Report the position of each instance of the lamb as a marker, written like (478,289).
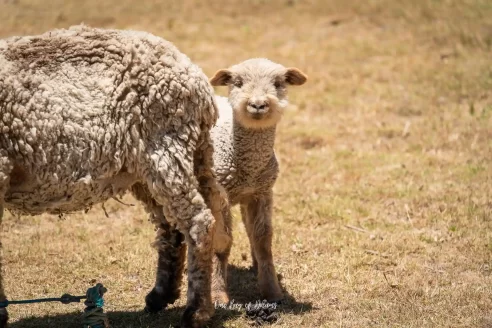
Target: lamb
(246,166)
(87,114)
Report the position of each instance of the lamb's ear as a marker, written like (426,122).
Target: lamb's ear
(221,77)
(294,76)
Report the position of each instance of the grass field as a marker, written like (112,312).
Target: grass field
(383,214)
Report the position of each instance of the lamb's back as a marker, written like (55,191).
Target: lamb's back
(222,137)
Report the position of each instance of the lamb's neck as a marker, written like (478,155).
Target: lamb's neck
(253,147)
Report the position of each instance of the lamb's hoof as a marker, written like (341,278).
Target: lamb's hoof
(272,294)
(194,318)
(274,298)
(156,302)
(4,317)
(220,297)
(270,288)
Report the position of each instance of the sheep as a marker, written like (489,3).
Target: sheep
(246,166)
(87,114)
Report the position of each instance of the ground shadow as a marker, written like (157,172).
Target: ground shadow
(122,319)
(242,290)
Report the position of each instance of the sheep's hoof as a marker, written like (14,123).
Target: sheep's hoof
(4,317)
(155,301)
(193,318)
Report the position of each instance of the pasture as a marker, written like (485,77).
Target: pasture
(383,208)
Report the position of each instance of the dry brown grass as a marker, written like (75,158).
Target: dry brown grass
(391,135)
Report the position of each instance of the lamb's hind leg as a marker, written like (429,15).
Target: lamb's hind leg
(171,251)
(258,218)
(5,169)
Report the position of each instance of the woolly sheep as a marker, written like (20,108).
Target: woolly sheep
(86,114)
(246,166)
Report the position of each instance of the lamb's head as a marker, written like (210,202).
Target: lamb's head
(258,90)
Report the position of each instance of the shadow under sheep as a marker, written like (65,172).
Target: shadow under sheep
(242,290)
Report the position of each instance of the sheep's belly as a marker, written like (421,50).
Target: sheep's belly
(66,198)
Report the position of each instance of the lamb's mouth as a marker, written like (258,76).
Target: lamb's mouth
(257,116)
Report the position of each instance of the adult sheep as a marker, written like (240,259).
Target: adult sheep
(86,114)
(246,166)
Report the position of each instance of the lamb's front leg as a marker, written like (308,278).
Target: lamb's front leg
(258,221)
(222,249)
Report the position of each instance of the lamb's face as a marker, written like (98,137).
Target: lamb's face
(258,90)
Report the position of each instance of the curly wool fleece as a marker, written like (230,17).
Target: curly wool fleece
(80,106)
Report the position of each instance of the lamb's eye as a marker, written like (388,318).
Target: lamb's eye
(238,83)
(277,84)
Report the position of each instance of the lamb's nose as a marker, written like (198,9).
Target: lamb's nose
(258,103)
(258,106)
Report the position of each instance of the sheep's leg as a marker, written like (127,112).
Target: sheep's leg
(198,228)
(175,186)
(170,265)
(196,223)
(4,316)
(216,199)
(171,251)
(5,170)
(259,218)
